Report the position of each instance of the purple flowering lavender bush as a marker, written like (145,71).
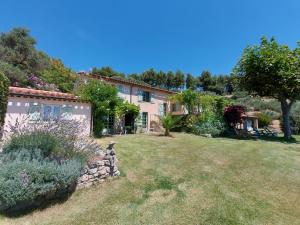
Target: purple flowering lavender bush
(42,161)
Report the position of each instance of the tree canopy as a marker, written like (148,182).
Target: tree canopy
(24,65)
(272,70)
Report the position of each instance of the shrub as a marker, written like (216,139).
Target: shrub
(104,99)
(295,118)
(28,182)
(47,143)
(264,120)
(60,138)
(233,114)
(167,122)
(214,126)
(4,83)
(15,75)
(259,104)
(41,161)
(272,114)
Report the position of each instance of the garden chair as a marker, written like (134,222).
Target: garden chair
(270,132)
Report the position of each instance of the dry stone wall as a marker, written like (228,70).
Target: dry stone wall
(99,168)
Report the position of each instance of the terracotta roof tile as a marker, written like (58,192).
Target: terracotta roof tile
(126,81)
(17,91)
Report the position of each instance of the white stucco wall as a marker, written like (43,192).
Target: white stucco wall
(18,108)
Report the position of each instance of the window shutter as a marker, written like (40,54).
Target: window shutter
(152,97)
(140,95)
(161,109)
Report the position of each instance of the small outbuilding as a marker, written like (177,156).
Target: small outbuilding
(42,106)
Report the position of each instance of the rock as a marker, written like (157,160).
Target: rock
(84,170)
(206,135)
(100,163)
(84,178)
(103,172)
(106,162)
(117,173)
(93,171)
(96,174)
(100,167)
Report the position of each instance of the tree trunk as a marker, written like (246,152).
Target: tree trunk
(167,132)
(285,107)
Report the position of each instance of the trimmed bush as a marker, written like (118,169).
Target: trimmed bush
(25,183)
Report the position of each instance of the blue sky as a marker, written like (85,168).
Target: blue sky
(134,35)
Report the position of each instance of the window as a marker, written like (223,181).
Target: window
(144,119)
(66,112)
(51,112)
(34,112)
(121,88)
(163,109)
(146,96)
(175,107)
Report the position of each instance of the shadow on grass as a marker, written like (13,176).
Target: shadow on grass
(279,139)
(41,204)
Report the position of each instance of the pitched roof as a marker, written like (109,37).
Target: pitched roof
(33,93)
(130,82)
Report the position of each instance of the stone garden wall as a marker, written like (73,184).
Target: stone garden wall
(99,168)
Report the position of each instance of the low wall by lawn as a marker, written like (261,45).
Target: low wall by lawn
(99,168)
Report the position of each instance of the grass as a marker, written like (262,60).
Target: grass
(187,180)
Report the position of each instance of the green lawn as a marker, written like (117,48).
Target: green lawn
(187,180)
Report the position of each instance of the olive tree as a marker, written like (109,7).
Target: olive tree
(272,70)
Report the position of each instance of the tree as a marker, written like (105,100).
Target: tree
(4,84)
(233,114)
(206,80)
(149,77)
(106,71)
(178,80)
(169,80)
(161,78)
(17,48)
(168,123)
(64,78)
(15,75)
(134,76)
(190,82)
(104,99)
(272,70)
